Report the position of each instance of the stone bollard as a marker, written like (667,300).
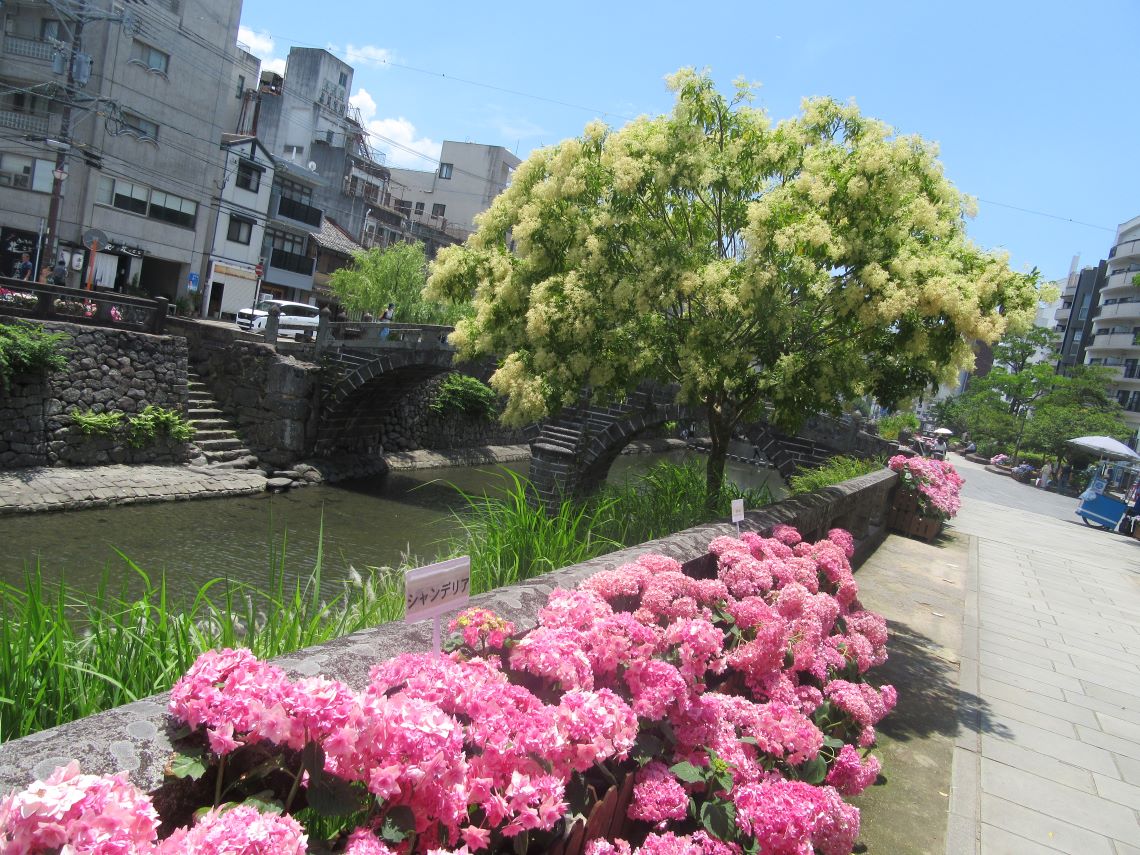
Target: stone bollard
(158,322)
(324,330)
(272,324)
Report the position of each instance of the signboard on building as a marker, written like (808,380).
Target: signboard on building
(192,284)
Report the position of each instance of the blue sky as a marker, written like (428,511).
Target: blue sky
(1033,104)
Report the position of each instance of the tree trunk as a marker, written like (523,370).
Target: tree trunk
(720,432)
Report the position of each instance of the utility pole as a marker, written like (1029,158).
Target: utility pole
(64,143)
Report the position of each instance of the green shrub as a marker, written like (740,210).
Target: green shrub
(145,427)
(29,349)
(99,424)
(463,394)
(889,426)
(835,471)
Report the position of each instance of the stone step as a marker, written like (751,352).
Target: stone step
(211,424)
(224,444)
(201,436)
(193,413)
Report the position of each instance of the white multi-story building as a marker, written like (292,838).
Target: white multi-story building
(232,271)
(132,98)
(1116,322)
(469,177)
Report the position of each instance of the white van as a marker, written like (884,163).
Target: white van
(295,317)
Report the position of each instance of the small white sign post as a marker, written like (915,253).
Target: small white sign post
(738,513)
(434,589)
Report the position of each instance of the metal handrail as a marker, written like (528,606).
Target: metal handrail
(21,298)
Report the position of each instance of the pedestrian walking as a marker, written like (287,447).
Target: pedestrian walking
(59,273)
(1046,476)
(24,268)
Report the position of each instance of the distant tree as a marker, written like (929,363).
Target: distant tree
(795,266)
(397,275)
(1078,405)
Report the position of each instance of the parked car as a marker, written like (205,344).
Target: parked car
(295,317)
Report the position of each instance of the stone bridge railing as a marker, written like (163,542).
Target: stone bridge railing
(37,301)
(136,738)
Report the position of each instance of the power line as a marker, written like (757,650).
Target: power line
(1046,214)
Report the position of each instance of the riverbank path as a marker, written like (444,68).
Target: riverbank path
(1047,757)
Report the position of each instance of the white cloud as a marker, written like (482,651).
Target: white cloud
(396,138)
(262,46)
(367,55)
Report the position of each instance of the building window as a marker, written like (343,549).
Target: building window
(144,129)
(286,242)
(404,207)
(240,230)
(1084,313)
(49,30)
(240,86)
(16,171)
(294,151)
(172,209)
(419,209)
(437,211)
(248,176)
(152,59)
(344,78)
(445,170)
(293,190)
(130,197)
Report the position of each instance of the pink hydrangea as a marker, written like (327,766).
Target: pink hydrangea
(656,687)
(793,818)
(557,655)
(481,628)
(849,774)
(842,538)
(786,534)
(80,814)
(935,483)
(658,796)
(607,847)
(363,841)
(239,830)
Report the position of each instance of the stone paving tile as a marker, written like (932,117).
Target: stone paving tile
(1028,684)
(998,710)
(1056,707)
(1029,760)
(1129,769)
(1099,705)
(1047,676)
(1109,742)
(1056,800)
(1118,791)
(1038,658)
(1034,828)
(1076,752)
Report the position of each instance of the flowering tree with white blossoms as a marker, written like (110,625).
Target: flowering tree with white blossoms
(790,265)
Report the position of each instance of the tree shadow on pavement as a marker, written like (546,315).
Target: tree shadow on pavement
(930,701)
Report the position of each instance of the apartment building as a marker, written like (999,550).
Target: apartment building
(1116,321)
(468,178)
(115,111)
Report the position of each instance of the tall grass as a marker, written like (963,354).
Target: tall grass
(66,654)
(835,471)
(509,541)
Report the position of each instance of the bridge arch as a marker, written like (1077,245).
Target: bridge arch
(355,404)
(573,451)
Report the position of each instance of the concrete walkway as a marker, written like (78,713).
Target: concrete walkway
(1047,757)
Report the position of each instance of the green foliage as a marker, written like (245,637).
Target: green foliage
(144,427)
(889,426)
(65,654)
(461,393)
(98,424)
(754,264)
(397,275)
(27,348)
(835,471)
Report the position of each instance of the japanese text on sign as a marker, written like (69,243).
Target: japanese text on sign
(437,588)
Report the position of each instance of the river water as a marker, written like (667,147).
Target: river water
(380,521)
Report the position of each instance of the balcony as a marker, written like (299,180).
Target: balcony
(1113,341)
(40,125)
(299,212)
(1126,378)
(1121,279)
(290,270)
(1062,315)
(1126,249)
(1127,310)
(28,48)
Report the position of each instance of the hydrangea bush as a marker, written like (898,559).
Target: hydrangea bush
(936,484)
(739,703)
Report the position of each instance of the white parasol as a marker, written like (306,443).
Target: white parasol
(944,432)
(1105,446)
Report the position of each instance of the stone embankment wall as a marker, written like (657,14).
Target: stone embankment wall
(107,370)
(271,398)
(136,738)
(847,437)
(412,425)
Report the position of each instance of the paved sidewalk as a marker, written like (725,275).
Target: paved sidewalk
(1048,753)
(56,489)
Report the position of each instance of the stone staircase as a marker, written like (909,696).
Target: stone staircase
(788,454)
(215,435)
